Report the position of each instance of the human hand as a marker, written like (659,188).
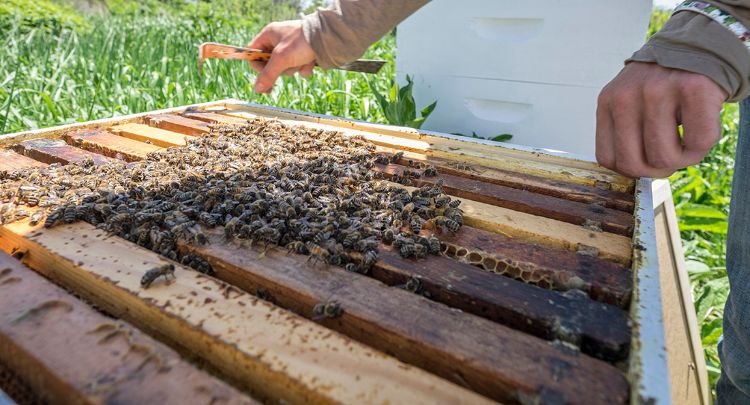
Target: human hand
(290,53)
(638,116)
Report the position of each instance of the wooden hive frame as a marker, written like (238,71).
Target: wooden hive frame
(531,215)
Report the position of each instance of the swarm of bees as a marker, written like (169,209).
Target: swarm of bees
(312,192)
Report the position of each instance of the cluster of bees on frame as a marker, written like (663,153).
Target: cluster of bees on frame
(312,192)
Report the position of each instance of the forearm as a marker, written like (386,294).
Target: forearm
(697,43)
(343,31)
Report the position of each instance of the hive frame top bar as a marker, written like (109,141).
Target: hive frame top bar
(648,369)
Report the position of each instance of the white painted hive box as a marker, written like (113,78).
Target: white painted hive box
(529,68)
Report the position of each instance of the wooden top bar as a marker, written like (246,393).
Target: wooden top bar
(70,353)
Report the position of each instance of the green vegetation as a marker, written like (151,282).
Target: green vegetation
(57,67)
(399,106)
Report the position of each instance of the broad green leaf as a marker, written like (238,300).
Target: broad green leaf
(503,138)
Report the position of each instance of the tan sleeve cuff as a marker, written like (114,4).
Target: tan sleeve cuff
(343,31)
(695,43)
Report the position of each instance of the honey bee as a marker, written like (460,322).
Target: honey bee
(442,200)
(297,247)
(397,156)
(328,309)
(160,271)
(69,214)
(368,260)
(454,203)
(317,253)
(434,245)
(443,222)
(37,217)
(430,171)
(382,159)
(416,224)
(54,218)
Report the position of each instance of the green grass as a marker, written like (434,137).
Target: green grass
(56,67)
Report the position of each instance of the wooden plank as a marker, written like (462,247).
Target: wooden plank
(278,356)
(559,269)
(176,123)
(57,151)
(490,358)
(542,230)
(70,353)
(10,160)
(213,117)
(145,133)
(457,150)
(523,181)
(111,145)
(598,329)
(687,370)
(56,132)
(606,219)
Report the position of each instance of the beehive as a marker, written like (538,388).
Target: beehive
(542,296)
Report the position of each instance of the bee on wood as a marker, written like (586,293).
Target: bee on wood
(37,217)
(297,247)
(397,156)
(160,271)
(413,284)
(354,267)
(442,200)
(416,224)
(389,235)
(434,245)
(408,249)
(328,309)
(464,167)
(368,260)
(317,253)
(454,203)
(70,214)
(382,159)
(430,171)
(54,218)
(366,244)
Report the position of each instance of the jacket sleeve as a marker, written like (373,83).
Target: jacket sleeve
(706,37)
(343,31)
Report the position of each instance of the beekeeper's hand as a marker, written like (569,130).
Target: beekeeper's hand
(639,114)
(290,53)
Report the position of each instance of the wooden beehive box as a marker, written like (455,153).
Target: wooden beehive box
(548,294)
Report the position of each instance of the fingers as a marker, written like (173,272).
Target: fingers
(630,158)
(638,115)
(661,139)
(605,135)
(701,124)
(267,39)
(271,71)
(307,70)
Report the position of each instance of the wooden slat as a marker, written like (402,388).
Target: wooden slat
(574,192)
(57,151)
(559,269)
(145,133)
(492,359)
(458,150)
(109,144)
(70,353)
(10,160)
(542,230)
(209,116)
(607,219)
(523,181)
(598,329)
(277,355)
(177,123)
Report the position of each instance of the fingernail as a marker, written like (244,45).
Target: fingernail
(260,88)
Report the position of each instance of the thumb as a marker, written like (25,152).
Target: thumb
(276,65)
